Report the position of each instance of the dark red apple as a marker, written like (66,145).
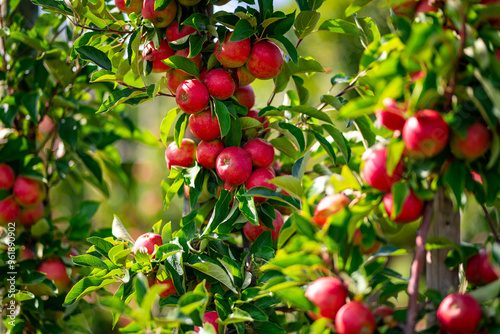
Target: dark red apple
(391,116)
(31,215)
(232,54)
(245,96)
(426,6)
(475,143)
(410,211)
(160,19)
(25,253)
(156,56)
(425,134)
(9,210)
(220,84)
(183,156)
(355,318)
(459,314)
(192,96)
(252,232)
(234,165)
(148,241)
(328,294)
(266,60)
(56,271)
(208,151)
(375,171)
(7,177)
(479,269)
(259,178)
(329,206)
(204,126)
(28,191)
(261,152)
(173,33)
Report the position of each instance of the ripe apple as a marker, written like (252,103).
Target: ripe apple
(392,116)
(426,6)
(204,126)
(31,215)
(266,60)
(263,119)
(207,152)
(328,294)
(9,210)
(183,156)
(357,240)
(386,314)
(220,84)
(425,134)
(329,206)
(479,269)
(355,317)
(459,314)
(411,210)
(56,271)
(232,54)
(197,60)
(173,33)
(156,56)
(25,253)
(234,165)
(375,170)
(162,18)
(28,191)
(244,78)
(148,241)
(229,188)
(405,9)
(261,151)
(192,96)
(252,232)
(259,178)
(7,177)
(135,6)
(245,96)
(211,318)
(174,79)
(475,143)
(170,288)
(205,193)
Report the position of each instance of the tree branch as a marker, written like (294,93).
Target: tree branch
(490,222)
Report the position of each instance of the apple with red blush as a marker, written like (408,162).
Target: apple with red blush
(459,314)
(245,96)
(150,53)
(160,19)
(55,271)
(209,318)
(265,61)
(425,134)
(147,241)
(208,151)
(329,294)
(375,170)
(260,178)
(473,144)
(252,232)
(7,177)
(192,96)
(220,84)
(232,54)
(329,206)
(183,156)
(355,317)
(410,211)
(30,215)
(134,6)
(204,126)
(234,165)
(174,32)
(9,210)
(261,152)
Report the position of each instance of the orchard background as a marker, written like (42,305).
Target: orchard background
(362,185)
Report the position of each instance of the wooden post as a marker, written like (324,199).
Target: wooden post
(445,224)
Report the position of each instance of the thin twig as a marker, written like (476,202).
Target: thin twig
(417,267)
(124,32)
(490,222)
(143,89)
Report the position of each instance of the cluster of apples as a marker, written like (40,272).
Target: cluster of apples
(24,204)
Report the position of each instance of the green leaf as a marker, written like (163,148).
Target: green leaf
(121,96)
(119,231)
(161,5)
(242,30)
(305,23)
(184,64)
(102,246)
(32,103)
(454,177)
(166,124)
(85,287)
(198,21)
(299,167)
(285,146)
(356,6)
(290,184)
(400,192)
(68,131)
(247,208)
(207,266)
(94,55)
(296,133)
(88,260)
(326,145)
(271,194)
(180,128)
(340,140)
(313,112)
(365,126)
(91,164)
(196,44)
(222,113)
(340,26)
(305,65)
(289,47)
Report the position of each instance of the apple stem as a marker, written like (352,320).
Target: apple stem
(490,222)
(417,268)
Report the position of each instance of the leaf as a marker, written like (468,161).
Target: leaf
(299,167)
(94,55)
(31,102)
(285,146)
(306,65)
(365,126)
(340,140)
(305,23)
(198,21)
(180,128)
(91,164)
(84,287)
(289,47)
(290,184)
(121,96)
(313,112)
(247,208)
(182,63)
(340,26)
(207,266)
(326,145)
(68,131)
(161,5)
(102,246)
(271,194)
(222,113)
(88,260)
(166,124)
(119,231)
(296,132)
(356,6)
(242,30)
(196,44)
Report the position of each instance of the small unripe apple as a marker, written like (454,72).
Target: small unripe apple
(259,178)
(148,241)
(173,33)
(234,165)
(204,126)
(410,211)
(425,134)
(261,152)
(355,318)
(232,54)
(220,84)
(135,6)
(391,116)
(150,53)
(266,60)
(245,96)
(475,143)
(459,314)
(252,232)
(162,18)
(329,206)
(31,215)
(56,271)
(7,177)
(28,191)
(375,171)
(208,151)
(328,294)
(197,60)
(211,318)
(170,288)
(192,96)
(174,79)
(9,210)
(183,156)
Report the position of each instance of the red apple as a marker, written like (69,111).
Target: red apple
(31,215)
(192,96)
(244,78)
(183,156)
(355,318)
(7,177)
(207,152)
(232,54)
(28,191)
(328,294)
(386,314)
(156,56)
(255,114)
(197,60)
(204,126)
(9,210)
(425,134)
(259,178)
(211,318)
(170,288)
(148,241)
(405,9)
(479,269)
(25,253)
(162,18)
(174,79)
(411,210)
(234,165)
(357,240)
(245,96)
(392,116)
(266,60)
(375,170)
(426,6)
(56,271)
(173,33)
(261,151)
(220,84)
(329,206)
(252,232)
(459,314)
(475,143)
(135,6)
